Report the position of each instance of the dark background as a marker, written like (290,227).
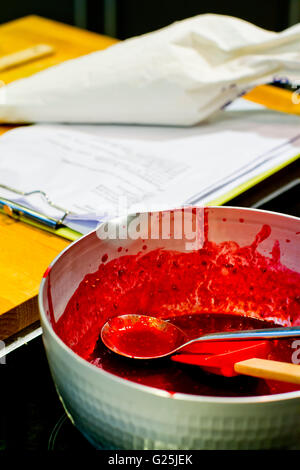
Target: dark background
(125,18)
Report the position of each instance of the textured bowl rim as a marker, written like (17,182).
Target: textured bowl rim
(145,388)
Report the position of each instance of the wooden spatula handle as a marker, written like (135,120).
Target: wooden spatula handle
(272,370)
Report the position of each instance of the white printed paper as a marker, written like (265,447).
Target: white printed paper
(96,174)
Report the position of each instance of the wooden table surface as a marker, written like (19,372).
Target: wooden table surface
(26,251)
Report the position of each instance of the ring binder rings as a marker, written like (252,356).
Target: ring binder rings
(19,211)
(15,209)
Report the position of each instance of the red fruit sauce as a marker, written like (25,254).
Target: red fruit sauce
(220,287)
(142,340)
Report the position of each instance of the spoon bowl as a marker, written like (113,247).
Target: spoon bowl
(142,336)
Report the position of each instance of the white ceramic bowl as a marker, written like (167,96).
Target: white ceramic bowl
(106,408)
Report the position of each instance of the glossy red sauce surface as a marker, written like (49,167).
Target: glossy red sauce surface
(142,341)
(219,287)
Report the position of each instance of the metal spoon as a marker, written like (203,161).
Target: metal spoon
(166,339)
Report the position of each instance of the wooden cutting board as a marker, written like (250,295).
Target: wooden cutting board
(25,251)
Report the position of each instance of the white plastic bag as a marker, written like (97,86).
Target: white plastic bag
(178,75)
